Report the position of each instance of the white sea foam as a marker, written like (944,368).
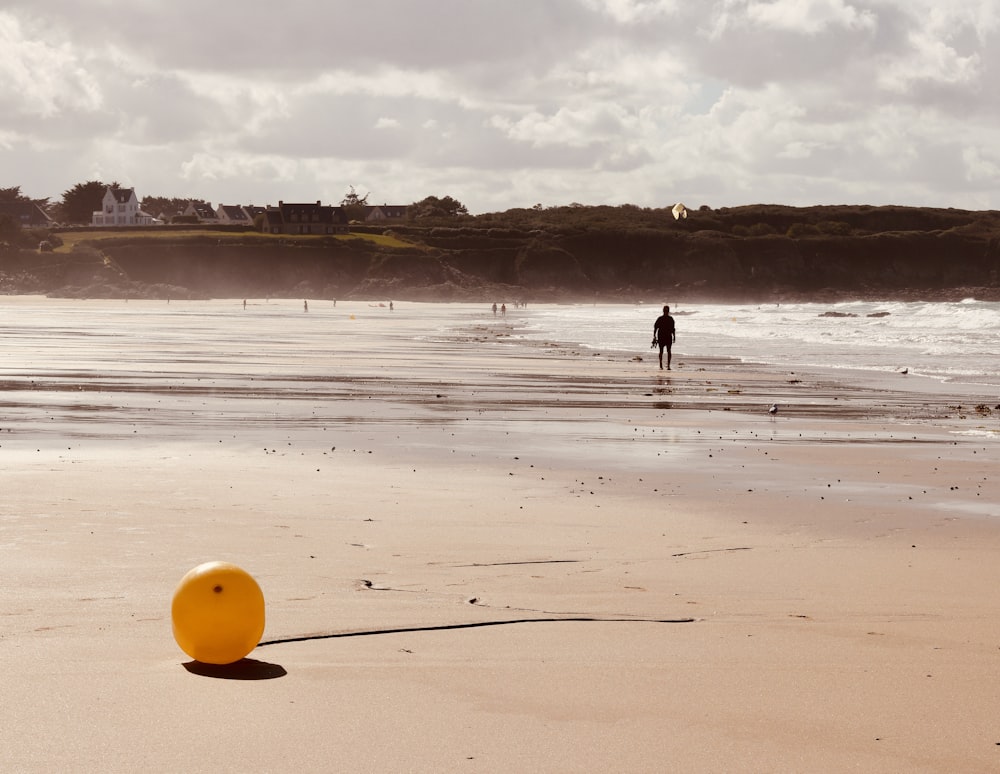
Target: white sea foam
(955,341)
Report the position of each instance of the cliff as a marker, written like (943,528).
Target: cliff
(751,253)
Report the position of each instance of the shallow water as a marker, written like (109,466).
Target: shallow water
(272,376)
(957,342)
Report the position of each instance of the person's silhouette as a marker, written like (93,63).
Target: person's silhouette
(664,334)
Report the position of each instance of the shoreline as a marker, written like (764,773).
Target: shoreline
(960,383)
(496,555)
(487,293)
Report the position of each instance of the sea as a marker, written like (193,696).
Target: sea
(957,342)
(951,342)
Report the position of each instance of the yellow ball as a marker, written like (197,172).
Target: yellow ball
(218,613)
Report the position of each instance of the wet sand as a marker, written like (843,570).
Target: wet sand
(480,554)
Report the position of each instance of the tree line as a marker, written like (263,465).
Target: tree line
(80,201)
(756,220)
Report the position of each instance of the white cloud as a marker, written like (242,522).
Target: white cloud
(808,16)
(633,11)
(931,60)
(981,165)
(224,165)
(575,127)
(644,101)
(41,77)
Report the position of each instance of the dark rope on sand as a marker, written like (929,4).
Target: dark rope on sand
(475,625)
(712,551)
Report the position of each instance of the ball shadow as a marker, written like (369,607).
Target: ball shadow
(244,669)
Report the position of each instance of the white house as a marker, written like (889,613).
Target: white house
(120,208)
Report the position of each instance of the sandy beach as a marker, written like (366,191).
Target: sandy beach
(483,554)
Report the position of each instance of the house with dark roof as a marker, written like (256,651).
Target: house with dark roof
(253,210)
(120,207)
(272,222)
(202,211)
(386,212)
(26,214)
(299,218)
(233,215)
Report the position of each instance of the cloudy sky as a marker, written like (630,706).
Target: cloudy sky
(507,103)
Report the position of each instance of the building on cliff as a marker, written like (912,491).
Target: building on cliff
(120,207)
(384,213)
(297,218)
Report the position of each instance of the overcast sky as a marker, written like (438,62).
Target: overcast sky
(507,103)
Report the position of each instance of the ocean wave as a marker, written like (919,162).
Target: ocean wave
(955,341)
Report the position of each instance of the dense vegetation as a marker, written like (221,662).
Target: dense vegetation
(571,252)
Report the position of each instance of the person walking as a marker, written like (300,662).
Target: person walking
(664,334)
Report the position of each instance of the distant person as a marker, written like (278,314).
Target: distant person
(305,306)
(390,306)
(494,309)
(664,334)
(244,303)
(503,310)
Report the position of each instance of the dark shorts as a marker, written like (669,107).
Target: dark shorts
(666,344)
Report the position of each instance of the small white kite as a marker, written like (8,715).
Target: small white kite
(680,211)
